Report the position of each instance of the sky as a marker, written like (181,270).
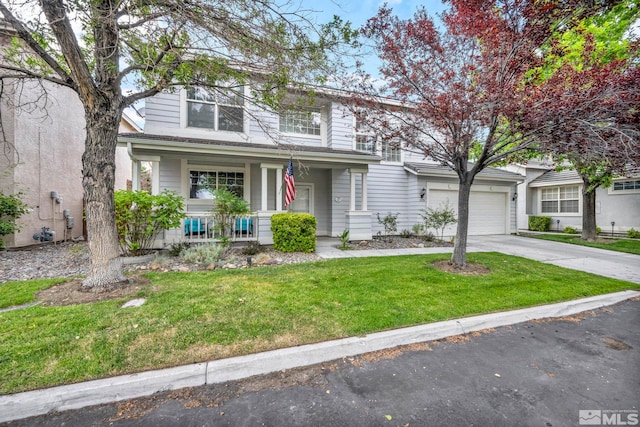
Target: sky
(360,10)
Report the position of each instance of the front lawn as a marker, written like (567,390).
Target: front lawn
(195,317)
(631,246)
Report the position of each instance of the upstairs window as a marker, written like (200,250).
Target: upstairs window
(306,122)
(216,109)
(365,139)
(391,151)
(561,199)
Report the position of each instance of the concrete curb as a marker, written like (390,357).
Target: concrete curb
(75,396)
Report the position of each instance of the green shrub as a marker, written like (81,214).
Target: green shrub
(140,216)
(389,222)
(226,207)
(598,230)
(633,233)
(294,232)
(344,239)
(439,218)
(176,249)
(570,230)
(253,247)
(406,234)
(417,229)
(539,223)
(204,255)
(11,208)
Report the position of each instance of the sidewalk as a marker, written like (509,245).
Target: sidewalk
(126,387)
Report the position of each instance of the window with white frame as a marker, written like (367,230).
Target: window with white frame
(365,140)
(565,199)
(216,109)
(202,183)
(391,151)
(626,185)
(306,122)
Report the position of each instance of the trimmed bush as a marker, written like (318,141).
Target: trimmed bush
(294,232)
(539,223)
(570,230)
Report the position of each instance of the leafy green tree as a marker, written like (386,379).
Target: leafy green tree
(11,208)
(140,217)
(227,206)
(98,48)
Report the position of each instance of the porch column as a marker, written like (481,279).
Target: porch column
(279,189)
(263,200)
(364,191)
(135,175)
(352,194)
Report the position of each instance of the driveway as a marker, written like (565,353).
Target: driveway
(593,260)
(537,373)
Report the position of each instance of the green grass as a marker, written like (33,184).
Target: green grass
(631,246)
(194,317)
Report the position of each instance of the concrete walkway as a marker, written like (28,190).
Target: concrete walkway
(126,387)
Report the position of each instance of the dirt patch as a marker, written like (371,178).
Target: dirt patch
(471,269)
(71,292)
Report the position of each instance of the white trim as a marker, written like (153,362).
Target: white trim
(251,151)
(560,214)
(613,192)
(210,168)
(556,183)
(155,177)
(506,190)
(279,185)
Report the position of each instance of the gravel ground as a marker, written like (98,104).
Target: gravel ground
(72,259)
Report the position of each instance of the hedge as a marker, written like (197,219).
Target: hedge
(539,223)
(294,232)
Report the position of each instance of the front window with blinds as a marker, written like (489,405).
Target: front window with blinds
(560,199)
(203,183)
(216,109)
(306,122)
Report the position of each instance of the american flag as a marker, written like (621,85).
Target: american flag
(290,190)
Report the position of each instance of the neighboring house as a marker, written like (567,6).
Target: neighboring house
(558,194)
(343,177)
(44,136)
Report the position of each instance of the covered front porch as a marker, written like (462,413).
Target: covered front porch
(330,184)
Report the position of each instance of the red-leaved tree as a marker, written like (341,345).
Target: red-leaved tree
(455,89)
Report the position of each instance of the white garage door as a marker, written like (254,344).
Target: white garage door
(487,210)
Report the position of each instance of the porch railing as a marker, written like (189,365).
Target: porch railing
(202,228)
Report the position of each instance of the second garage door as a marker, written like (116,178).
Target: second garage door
(487,210)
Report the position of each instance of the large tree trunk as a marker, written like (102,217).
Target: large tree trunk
(588,212)
(459,256)
(98,178)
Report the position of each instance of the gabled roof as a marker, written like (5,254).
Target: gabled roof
(432,169)
(553,177)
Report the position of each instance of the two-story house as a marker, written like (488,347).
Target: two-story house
(343,176)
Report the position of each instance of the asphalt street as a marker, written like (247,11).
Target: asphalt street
(537,373)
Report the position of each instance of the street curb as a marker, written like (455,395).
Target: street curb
(80,395)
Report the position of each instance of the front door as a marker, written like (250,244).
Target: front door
(303,202)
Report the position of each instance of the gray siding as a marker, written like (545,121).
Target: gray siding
(389,193)
(162,111)
(340,128)
(171,176)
